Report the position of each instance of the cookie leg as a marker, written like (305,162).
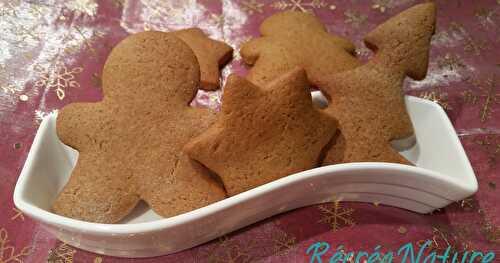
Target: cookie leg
(340,152)
(250,50)
(191,186)
(335,154)
(392,156)
(99,200)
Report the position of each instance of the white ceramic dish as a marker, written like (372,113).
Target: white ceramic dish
(443,175)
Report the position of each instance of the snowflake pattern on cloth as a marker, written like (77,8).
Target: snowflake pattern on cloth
(52,53)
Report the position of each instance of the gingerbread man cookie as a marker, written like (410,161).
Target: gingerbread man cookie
(211,55)
(296,39)
(368,101)
(263,134)
(130,143)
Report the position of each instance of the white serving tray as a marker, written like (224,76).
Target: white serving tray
(442,175)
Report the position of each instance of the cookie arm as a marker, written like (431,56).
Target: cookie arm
(250,50)
(75,124)
(223,52)
(345,44)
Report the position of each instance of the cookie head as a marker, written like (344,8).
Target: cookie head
(134,75)
(284,22)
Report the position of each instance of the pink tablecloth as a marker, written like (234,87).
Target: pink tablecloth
(52,52)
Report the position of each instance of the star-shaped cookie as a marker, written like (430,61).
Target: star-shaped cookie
(263,134)
(130,143)
(211,55)
(296,39)
(368,101)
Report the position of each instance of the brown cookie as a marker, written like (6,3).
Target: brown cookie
(368,101)
(296,39)
(211,55)
(263,134)
(130,144)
